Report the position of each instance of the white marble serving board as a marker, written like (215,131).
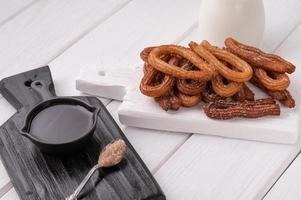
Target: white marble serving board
(138,110)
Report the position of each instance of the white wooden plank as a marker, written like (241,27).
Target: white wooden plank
(11,8)
(5,184)
(154,147)
(11,195)
(282,16)
(8,111)
(46,29)
(288,187)
(219,168)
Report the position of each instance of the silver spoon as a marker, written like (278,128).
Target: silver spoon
(110,156)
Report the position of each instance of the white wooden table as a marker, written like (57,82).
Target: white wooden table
(71,34)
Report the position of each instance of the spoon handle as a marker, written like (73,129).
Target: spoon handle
(82,184)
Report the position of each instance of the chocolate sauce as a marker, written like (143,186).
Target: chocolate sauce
(61,123)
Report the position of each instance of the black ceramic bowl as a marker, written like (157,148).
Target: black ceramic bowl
(59,125)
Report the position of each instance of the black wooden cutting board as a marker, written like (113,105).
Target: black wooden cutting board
(40,176)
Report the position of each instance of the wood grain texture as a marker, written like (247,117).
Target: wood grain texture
(11,195)
(54,177)
(46,29)
(11,8)
(144,141)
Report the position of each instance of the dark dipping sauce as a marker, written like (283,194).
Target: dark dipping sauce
(61,123)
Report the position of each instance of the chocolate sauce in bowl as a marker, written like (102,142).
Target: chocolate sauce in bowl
(61,123)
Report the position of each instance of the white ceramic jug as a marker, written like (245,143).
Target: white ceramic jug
(243,20)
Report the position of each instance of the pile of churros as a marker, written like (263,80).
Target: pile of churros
(178,76)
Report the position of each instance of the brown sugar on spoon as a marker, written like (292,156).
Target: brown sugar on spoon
(110,156)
